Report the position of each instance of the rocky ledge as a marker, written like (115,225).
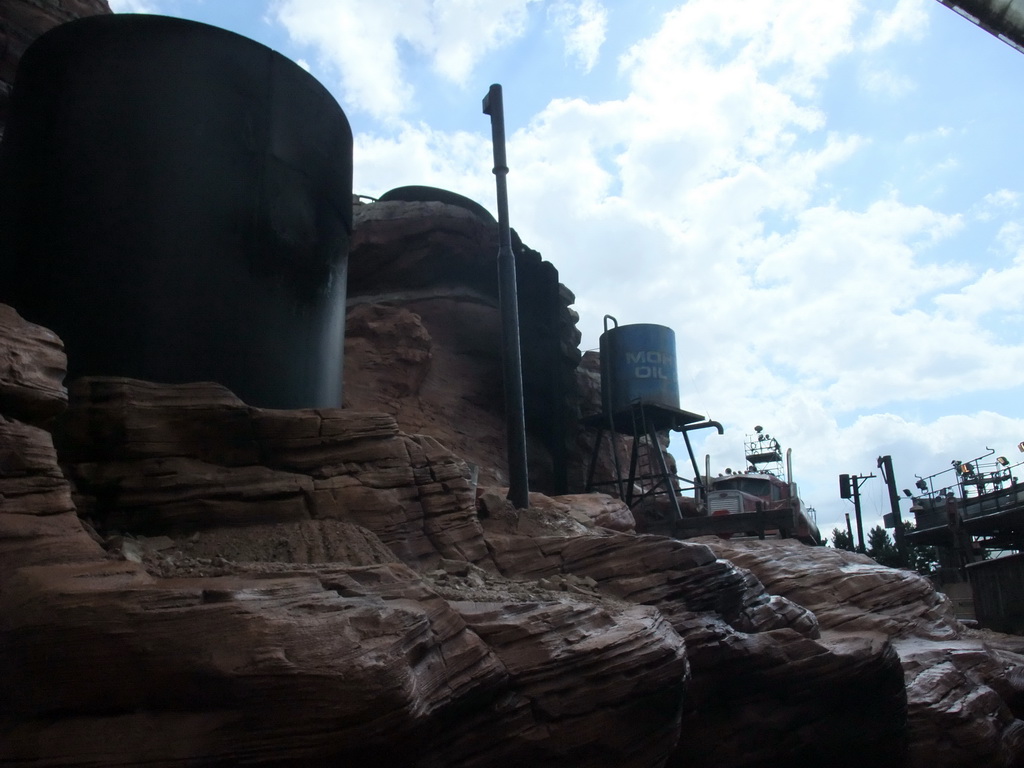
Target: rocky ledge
(187,580)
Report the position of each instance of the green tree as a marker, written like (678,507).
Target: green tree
(881,547)
(842,540)
(923,559)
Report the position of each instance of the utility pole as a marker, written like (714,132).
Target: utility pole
(885,465)
(849,487)
(511,359)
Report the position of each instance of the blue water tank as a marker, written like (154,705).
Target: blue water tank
(176,203)
(638,364)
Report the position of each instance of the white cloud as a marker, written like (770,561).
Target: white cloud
(907,19)
(994,203)
(700,200)
(131,6)
(800,38)
(1011,236)
(998,292)
(1002,198)
(942,132)
(361,46)
(465,30)
(435,158)
(885,82)
(584,26)
(371,47)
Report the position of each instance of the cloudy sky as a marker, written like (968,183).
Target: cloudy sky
(823,200)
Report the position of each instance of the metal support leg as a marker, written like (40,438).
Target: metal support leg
(665,476)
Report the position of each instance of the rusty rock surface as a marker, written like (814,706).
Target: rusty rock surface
(320,664)
(38,521)
(423,338)
(176,459)
(404,247)
(766,688)
(161,649)
(433,365)
(249,586)
(32,366)
(422,334)
(965,689)
(965,702)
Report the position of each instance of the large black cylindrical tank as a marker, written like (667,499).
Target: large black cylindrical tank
(638,363)
(176,203)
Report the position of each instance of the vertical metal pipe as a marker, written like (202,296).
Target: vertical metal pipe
(849,530)
(860,520)
(515,416)
(698,482)
(606,406)
(707,477)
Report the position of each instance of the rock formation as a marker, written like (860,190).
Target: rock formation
(423,341)
(423,338)
(162,650)
(188,580)
(38,521)
(965,689)
(308,587)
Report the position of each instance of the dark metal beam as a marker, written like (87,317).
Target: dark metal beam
(512,361)
(1002,18)
(889,476)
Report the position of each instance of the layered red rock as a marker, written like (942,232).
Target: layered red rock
(183,458)
(309,666)
(291,663)
(314,587)
(424,340)
(755,658)
(964,692)
(318,587)
(444,382)
(964,701)
(848,592)
(38,521)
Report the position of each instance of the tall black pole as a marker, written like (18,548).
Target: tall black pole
(885,464)
(856,511)
(515,417)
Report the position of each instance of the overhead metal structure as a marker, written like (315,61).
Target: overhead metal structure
(1002,18)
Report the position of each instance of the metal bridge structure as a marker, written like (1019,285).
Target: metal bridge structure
(982,514)
(973,514)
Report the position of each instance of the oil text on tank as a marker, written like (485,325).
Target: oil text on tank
(650,365)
